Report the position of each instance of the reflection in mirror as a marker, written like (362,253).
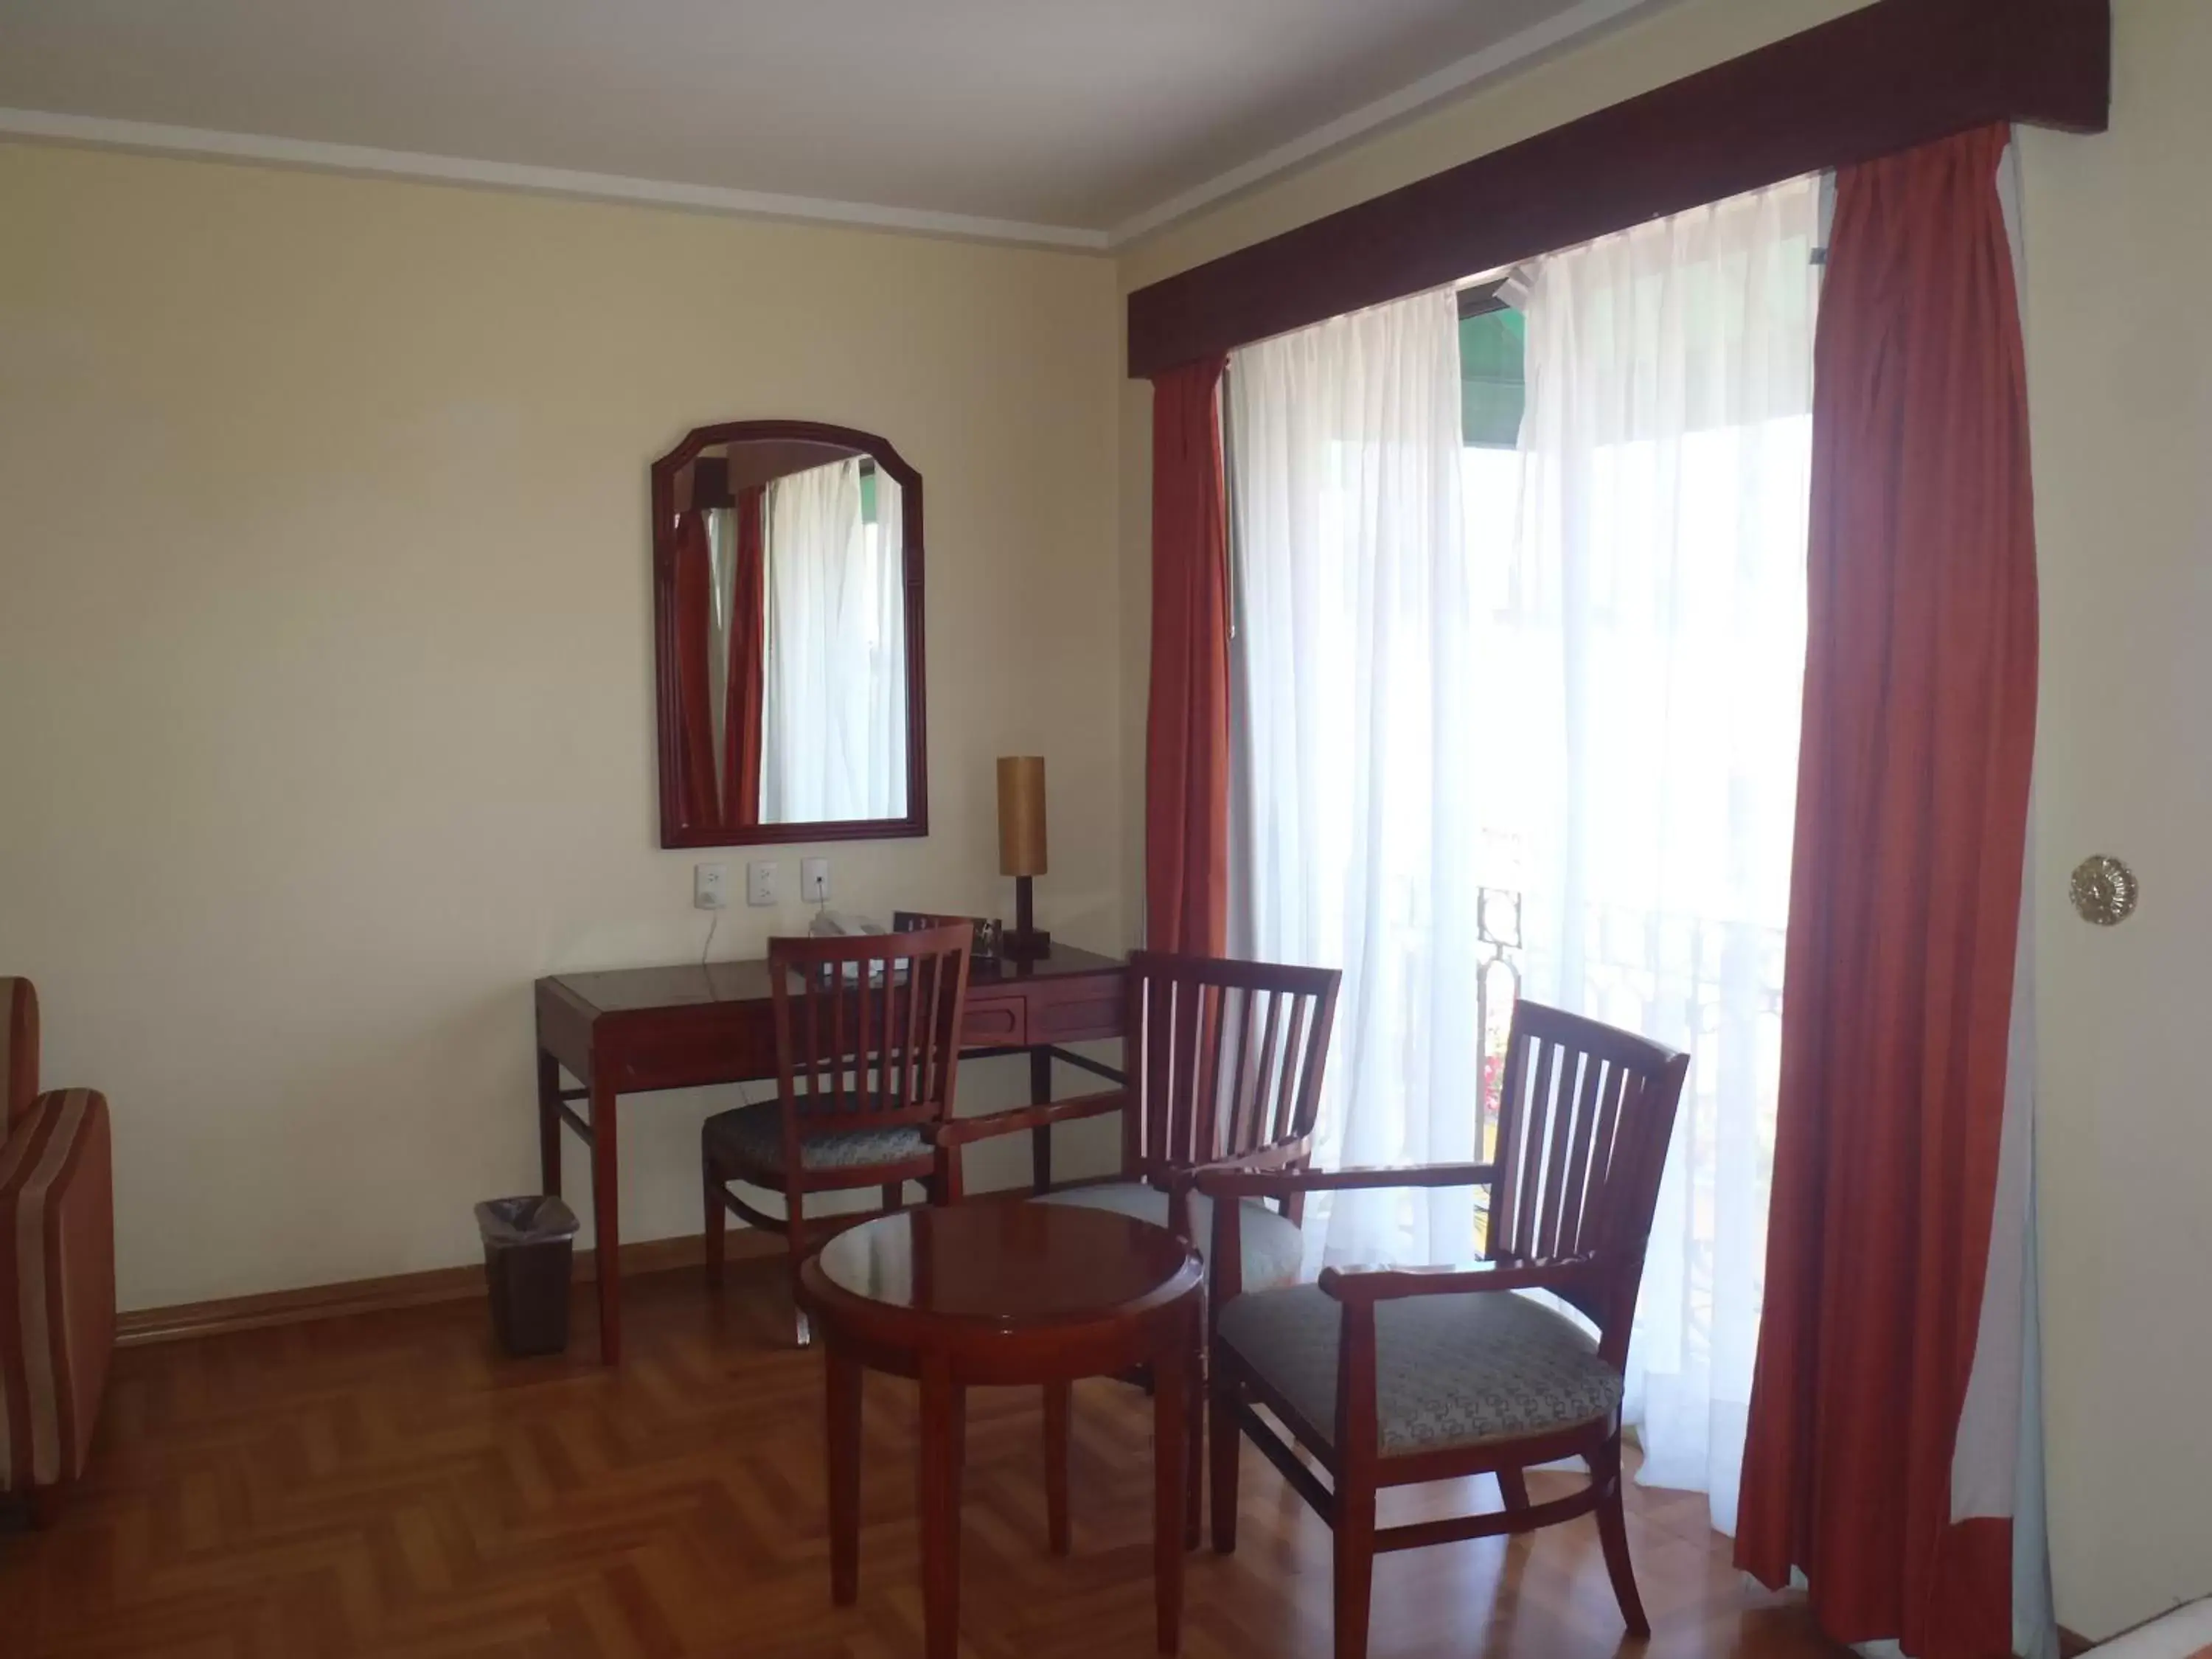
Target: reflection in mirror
(789,636)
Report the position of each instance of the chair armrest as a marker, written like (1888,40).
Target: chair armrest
(962,1131)
(58,1226)
(1218,1181)
(1281,1158)
(1367,1285)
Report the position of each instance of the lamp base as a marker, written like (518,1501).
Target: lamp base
(1024,942)
(1032,946)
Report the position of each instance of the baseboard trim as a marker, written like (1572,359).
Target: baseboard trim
(2072,1644)
(313,1302)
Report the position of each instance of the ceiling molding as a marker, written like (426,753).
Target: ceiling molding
(1454,78)
(100,132)
(1425,93)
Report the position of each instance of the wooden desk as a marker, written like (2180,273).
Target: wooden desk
(635,1030)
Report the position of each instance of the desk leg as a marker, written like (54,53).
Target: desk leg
(1041,1137)
(844,1427)
(1171,1402)
(549,1124)
(606,1216)
(943,1409)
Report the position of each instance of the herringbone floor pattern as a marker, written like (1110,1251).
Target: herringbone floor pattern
(385,1486)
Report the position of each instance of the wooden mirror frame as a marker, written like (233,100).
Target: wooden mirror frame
(674,832)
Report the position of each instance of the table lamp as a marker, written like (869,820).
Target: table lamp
(1021,849)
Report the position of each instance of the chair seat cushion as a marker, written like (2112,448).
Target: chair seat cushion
(754,1135)
(1451,1371)
(1274,1248)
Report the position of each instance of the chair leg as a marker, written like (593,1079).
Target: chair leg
(894,1193)
(1193,1467)
(1355,1570)
(795,1238)
(1056,1403)
(718,1223)
(1221,1406)
(1612,1534)
(1513,1485)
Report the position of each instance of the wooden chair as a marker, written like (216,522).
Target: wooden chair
(1224,1064)
(1389,1377)
(867,1049)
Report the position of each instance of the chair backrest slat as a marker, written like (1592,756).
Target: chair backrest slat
(867,1028)
(1239,1107)
(1585,1119)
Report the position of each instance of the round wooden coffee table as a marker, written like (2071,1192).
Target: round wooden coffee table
(999,1292)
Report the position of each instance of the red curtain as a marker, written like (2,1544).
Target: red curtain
(694,589)
(1919,723)
(1187,734)
(741,731)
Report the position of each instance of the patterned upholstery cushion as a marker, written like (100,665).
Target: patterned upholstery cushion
(754,1135)
(1273,1248)
(1451,1371)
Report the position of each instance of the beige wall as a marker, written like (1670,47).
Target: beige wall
(2118,233)
(325,719)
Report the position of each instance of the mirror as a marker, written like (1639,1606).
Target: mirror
(787,608)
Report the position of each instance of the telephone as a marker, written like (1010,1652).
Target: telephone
(842,924)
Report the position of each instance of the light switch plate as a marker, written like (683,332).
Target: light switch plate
(814,880)
(710,886)
(763,883)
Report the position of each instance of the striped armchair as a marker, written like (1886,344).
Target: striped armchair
(57,1265)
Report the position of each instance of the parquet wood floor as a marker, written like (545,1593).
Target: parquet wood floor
(385,1486)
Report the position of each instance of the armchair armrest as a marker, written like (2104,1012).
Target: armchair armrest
(1222,1181)
(58,1226)
(1229,1186)
(964,1130)
(1367,1285)
(1264,1164)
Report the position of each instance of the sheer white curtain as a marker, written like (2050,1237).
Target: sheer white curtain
(834,719)
(1641,659)
(1355,748)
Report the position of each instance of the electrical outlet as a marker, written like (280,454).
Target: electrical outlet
(710,886)
(814,880)
(763,884)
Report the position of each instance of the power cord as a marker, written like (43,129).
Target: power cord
(713,921)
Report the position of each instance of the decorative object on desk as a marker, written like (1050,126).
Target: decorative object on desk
(986,947)
(1021,849)
(2103,891)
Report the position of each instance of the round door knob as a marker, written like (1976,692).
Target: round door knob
(2103,891)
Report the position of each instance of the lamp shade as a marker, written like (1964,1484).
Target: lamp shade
(1021,815)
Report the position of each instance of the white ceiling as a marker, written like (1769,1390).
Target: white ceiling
(1102,117)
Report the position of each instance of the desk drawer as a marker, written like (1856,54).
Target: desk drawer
(685,1050)
(999,1023)
(1078,1012)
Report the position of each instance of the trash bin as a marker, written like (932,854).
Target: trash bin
(528,1245)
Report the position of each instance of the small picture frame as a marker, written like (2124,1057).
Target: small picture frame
(989,930)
